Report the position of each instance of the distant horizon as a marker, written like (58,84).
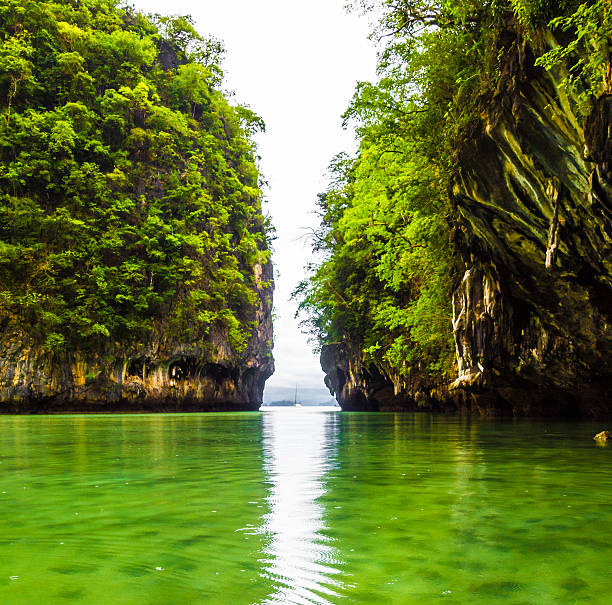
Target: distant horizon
(289,403)
(307,395)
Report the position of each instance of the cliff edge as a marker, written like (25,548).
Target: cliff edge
(164,376)
(531,229)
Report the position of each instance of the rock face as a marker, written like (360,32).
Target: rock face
(347,379)
(532,310)
(358,388)
(162,376)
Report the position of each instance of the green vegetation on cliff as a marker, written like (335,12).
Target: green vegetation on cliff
(130,207)
(388,264)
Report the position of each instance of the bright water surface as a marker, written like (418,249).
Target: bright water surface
(302,506)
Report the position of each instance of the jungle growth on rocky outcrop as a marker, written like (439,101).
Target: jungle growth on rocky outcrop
(130,201)
(466,248)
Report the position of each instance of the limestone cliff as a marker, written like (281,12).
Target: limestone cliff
(163,375)
(134,252)
(531,314)
(532,306)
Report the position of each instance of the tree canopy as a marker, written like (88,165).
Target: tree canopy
(130,201)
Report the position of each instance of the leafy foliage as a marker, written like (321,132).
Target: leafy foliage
(130,207)
(587,53)
(387,263)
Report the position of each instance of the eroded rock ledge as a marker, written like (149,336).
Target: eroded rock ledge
(532,309)
(164,376)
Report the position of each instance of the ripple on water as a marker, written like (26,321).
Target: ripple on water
(310,508)
(574,585)
(71,594)
(73,568)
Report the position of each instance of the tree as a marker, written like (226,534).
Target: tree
(130,206)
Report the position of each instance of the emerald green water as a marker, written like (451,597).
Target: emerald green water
(302,506)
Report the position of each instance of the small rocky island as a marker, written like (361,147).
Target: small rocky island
(135,269)
(470,241)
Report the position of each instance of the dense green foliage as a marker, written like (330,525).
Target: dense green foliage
(130,207)
(587,52)
(387,269)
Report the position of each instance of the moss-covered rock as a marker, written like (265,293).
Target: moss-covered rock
(532,312)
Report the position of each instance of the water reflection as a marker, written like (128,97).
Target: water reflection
(302,506)
(301,561)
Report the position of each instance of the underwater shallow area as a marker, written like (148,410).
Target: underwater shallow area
(303,506)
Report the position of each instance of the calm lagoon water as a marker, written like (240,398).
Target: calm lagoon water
(303,506)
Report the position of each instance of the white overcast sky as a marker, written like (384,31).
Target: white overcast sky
(295,63)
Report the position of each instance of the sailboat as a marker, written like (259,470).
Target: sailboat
(295,401)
